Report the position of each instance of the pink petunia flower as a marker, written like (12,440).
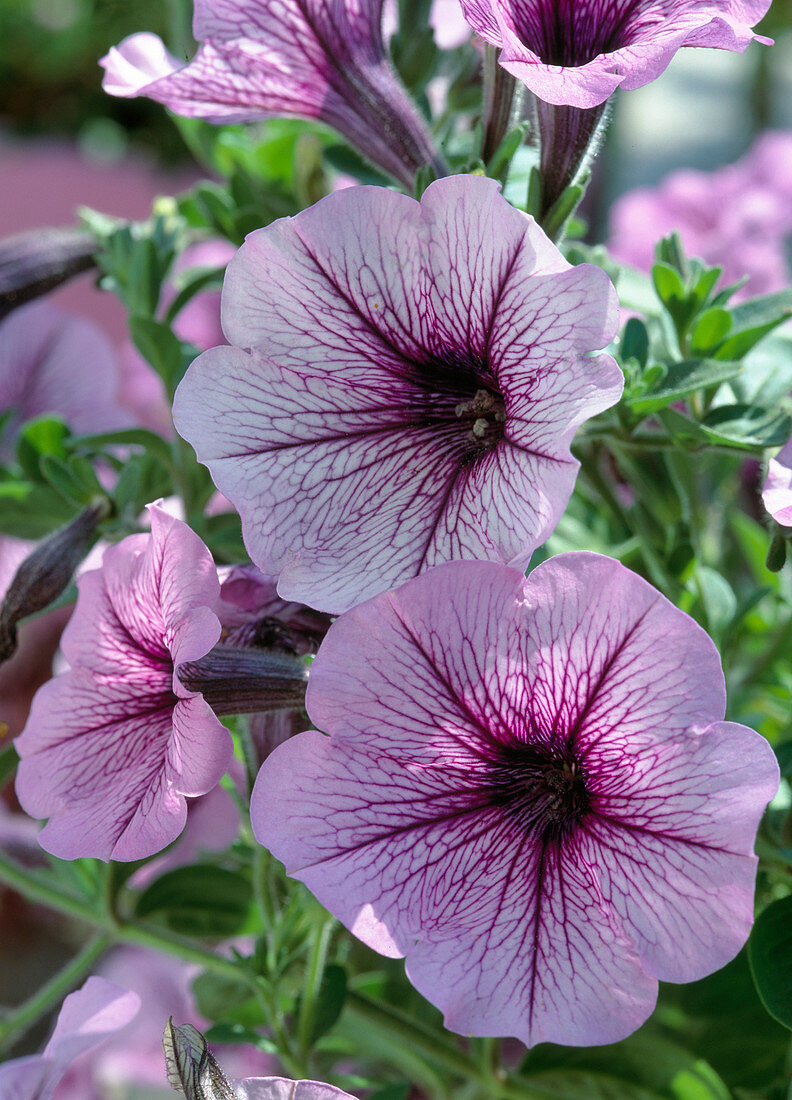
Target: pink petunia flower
(529,791)
(777,489)
(86,1020)
(578,52)
(57,363)
(403,388)
(113,746)
(299,57)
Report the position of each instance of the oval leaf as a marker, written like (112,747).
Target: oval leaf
(770,956)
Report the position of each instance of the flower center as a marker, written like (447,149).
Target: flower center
(485,414)
(574,32)
(542,789)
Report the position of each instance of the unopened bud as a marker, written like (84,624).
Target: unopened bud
(190,1066)
(46,573)
(244,680)
(32,264)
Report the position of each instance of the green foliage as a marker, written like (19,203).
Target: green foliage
(770,954)
(200,900)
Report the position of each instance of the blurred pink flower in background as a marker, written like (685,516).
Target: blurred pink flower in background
(738,217)
(54,362)
(87,1018)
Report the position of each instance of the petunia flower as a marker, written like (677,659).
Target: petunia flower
(299,57)
(52,362)
(113,746)
(777,489)
(86,1020)
(574,54)
(403,388)
(529,791)
(578,52)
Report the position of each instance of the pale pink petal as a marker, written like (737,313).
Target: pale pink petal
(406,380)
(279,1088)
(135,63)
(777,490)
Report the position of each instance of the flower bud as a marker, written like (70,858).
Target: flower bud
(33,263)
(246,680)
(45,573)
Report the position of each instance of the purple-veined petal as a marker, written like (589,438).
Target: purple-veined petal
(560,735)
(113,746)
(578,55)
(259,58)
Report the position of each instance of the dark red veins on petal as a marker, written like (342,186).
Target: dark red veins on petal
(574,32)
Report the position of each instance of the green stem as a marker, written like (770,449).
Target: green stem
(30,886)
(51,993)
(396,1025)
(317,960)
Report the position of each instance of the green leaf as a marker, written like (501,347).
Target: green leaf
(635,342)
(233,1002)
(45,435)
(223,535)
(706,284)
(718,598)
(141,437)
(738,346)
(555,220)
(502,157)
(668,284)
(770,956)
(681,379)
(329,1001)
(710,329)
(747,426)
(199,900)
(31,511)
(160,347)
(769,309)
(645,1065)
(73,479)
(399,1091)
(238,1033)
(346,160)
(142,480)
(8,762)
